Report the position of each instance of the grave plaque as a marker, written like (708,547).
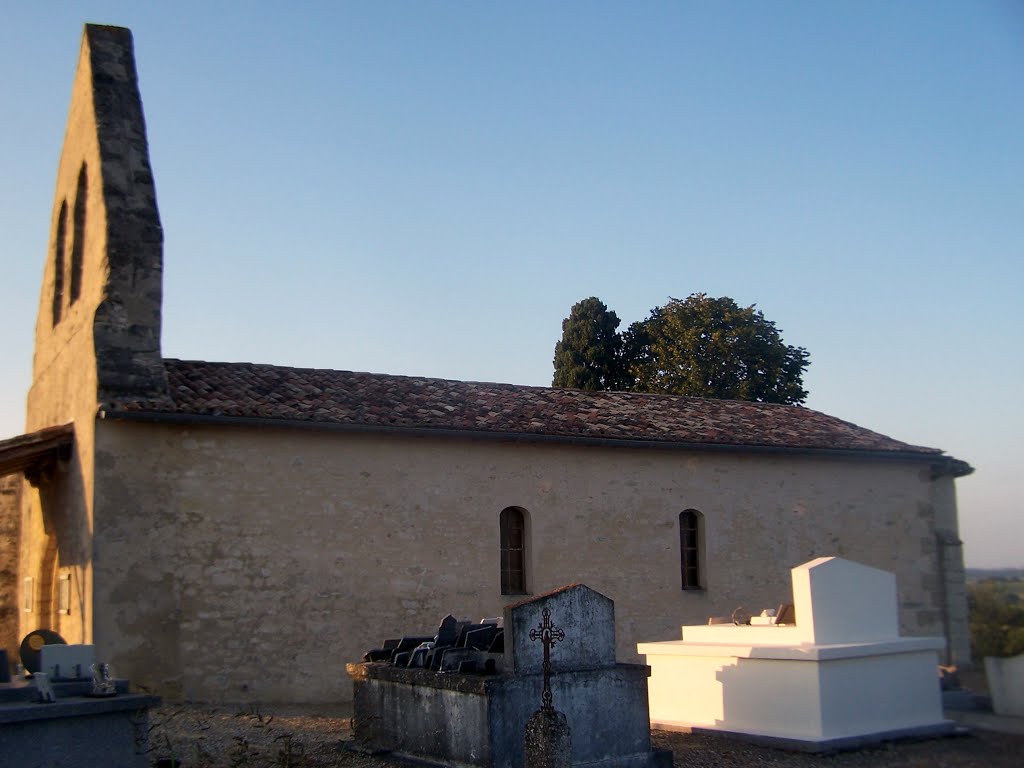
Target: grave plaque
(63,661)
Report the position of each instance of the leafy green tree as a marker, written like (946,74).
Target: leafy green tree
(707,347)
(996,619)
(587,357)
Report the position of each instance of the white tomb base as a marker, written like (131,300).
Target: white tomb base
(839,678)
(1006,684)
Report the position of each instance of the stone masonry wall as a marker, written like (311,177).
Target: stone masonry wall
(236,564)
(10,524)
(953,572)
(98,326)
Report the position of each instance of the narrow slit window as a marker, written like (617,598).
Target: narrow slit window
(513,551)
(64,594)
(27,595)
(78,244)
(58,262)
(689,548)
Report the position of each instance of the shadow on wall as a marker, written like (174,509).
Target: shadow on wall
(58,592)
(10,524)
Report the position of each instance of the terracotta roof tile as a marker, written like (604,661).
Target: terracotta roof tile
(248,390)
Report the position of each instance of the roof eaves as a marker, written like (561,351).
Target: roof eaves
(935,458)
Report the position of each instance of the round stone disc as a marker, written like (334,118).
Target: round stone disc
(33,642)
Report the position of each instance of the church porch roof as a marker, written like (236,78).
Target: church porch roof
(37,450)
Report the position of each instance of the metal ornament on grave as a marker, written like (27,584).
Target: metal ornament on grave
(102,684)
(549,635)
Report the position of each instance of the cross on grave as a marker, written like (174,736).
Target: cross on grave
(548,634)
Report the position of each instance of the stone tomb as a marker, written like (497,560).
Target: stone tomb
(77,728)
(478,717)
(839,677)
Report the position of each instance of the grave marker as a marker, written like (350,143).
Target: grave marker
(547,741)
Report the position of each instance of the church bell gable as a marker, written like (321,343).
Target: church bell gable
(98,329)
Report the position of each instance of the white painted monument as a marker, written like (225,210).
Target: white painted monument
(839,676)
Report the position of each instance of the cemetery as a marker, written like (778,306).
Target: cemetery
(838,676)
(67,711)
(540,686)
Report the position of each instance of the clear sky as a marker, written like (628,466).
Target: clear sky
(426,188)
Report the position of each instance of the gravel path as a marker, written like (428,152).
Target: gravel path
(208,737)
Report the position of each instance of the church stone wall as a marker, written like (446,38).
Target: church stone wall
(952,572)
(98,326)
(10,525)
(56,545)
(64,383)
(251,564)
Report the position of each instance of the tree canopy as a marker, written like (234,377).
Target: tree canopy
(996,618)
(588,354)
(698,346)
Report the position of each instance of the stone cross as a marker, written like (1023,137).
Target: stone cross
(548,634)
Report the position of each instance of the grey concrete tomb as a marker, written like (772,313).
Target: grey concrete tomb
(75,731)
(479,718)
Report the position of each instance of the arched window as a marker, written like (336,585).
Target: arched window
(58,262)
(690,536)
(78,244)
(513,551)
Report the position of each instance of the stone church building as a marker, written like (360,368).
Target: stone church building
(233,531)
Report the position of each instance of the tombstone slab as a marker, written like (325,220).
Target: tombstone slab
(548,741)
(586,616)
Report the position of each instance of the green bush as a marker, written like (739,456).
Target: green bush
(996,618)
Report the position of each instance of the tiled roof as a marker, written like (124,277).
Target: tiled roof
(371,400)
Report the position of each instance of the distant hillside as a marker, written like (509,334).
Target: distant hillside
(981,574)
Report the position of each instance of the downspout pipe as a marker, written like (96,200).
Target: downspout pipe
(946,540)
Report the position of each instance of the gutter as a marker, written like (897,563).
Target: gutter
(941,465)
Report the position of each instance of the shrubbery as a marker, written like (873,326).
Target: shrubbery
(996,618)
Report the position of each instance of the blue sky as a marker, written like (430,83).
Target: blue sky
(427,188)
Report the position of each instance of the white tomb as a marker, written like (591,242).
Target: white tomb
(1006,684)
(840,676)
(67,662)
